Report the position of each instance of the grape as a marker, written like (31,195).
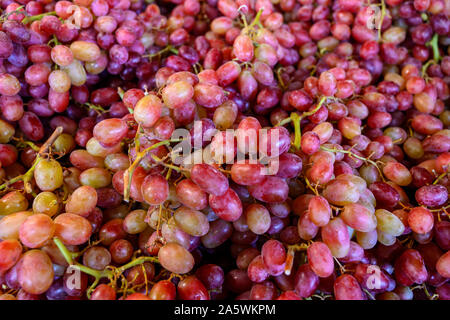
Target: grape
(243,48)
(10,251)
(134,222)
(245,257)
(85,51)
(257,270)
(341,192)
(139,274)
(359,217)
(72,229)
(320,259)
(211,275)
(219,232)
(35,273)
(191,221)
(257,218)
(384,194)
(335,235)
(191,195)
(288,295)
(262,292)
(389,223)
(208,96)
(121,251)
(111,231)
(163,290)
(10,225)
(247,173)
(36,230)
(8,154)
(274,256)
(346,287)
(191,288)
(313,134)
(306,281)
(271,190)
(13,201)
(410,268)
(95,178)
(227,206)
(397,173)
(155,189)
(177,94)
(209,179)
(420,220)
(307,230)
(103,292)
(82,201)
(319,211)
(97,258)
(432,196)
(175,258)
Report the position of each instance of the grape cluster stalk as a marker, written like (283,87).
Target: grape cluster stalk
(224,150)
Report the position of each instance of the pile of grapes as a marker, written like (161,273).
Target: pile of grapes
(347,99)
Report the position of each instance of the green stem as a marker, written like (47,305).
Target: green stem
(173,50)
(434,44)
(29,174)
(170,166)
(19,10)
(97,109)
(426,66)
(284,121)
(160,52)
(26,177)
(440,177)
(136,262)
(256,19)
(424,17)
(97,274)
(38,17)
(298,134)
(310,113)
(351,154)
(64,251)
(10,182)
(141,155)
(120,92)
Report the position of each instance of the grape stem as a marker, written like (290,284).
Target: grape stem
(139,157)
(170,166)
(23,143)
(351,154)
(169,48)
(38,17)
(425,68)
(442,175)
(291,253)
(96,108)
(434,44)
(109,272)
(296,119)
(27,176)
(18,11)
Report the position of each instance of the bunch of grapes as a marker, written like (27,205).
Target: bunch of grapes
(315,138)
